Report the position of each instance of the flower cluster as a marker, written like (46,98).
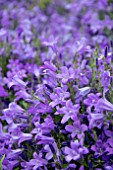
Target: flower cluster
(56,85)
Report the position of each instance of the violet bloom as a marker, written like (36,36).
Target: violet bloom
(83,79)
(49,65)
(69,111)
(48,123)
(51,150)
(11,160)
(81,93)
(91,100)
(104,104)
(4,136)
(13,111)
(14,65)
(17,81)
(35,163)
(59,96)
(99,148)
(3,93)
(77,129)
(96,119)
(105,80)
(108,167)
(51,43)
(19,136)
(109,146)
(3,33)
(43,139)
(49,154)
(81,168)
(10,164)
(75,152)
(43,108)
(14,154)
(42,130)
(24,137)
(71,166)
(66,74)
(22,94)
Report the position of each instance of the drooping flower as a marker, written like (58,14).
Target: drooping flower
(17,81)
(81,93)
(104,104)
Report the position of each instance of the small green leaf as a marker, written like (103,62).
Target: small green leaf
(3,157)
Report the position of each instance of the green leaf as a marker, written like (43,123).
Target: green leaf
(3,157)
(64,165)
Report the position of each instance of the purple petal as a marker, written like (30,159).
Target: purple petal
(104,104)
(3,93)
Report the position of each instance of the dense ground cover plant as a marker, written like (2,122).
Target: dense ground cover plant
(56,85)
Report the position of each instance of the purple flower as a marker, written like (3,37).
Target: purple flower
(22,94)
(43,139)
(3,34)
(74,153)
(83,79)
(66,74)
(4,136)
(17,81)
(35,163)
(3,93)
(91,100)
(59,96)
(99,148)
(42,130)
(49,154)
(49,65)
(104,104)
(48,123)
(12,112)
(107,167)
(51,151)
(24,137)
(77,129)
(105,80)
(81,93)
(14,153)
(96,119)
(109,146)
(51,43)
(69,111)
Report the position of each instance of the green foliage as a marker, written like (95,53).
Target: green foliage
(111,15)
(24,104)
(17,168)
(44,3)
(1,161)
(102,15)
(3,64)
(110,2)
